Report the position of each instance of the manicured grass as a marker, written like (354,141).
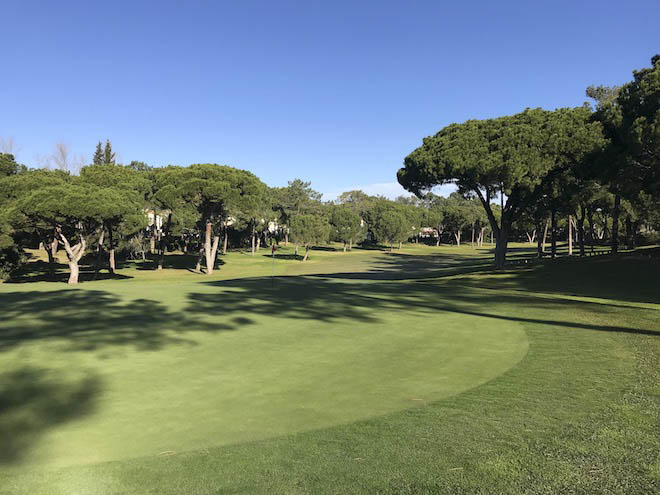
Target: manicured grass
(420,371)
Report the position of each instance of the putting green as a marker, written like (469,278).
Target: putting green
(122,369)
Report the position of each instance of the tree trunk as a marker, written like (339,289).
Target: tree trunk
(161,258)
(258,242)
(553,233)
(457,236)
(539,240)
(502,241)
(74,272)
(99,252)
(437,241)
(545,235)
(198,266)
(111,253)
(286,238)
(344,246)
(306,252)
(296,252)
(48,247)
(224,242)
(51,250)
(491,236)
(400,244)
(252,240)
(615,223)
(152,243)
(472,240)
(73,254)
(350,244)
(570,235)
(580,229)
(210,248)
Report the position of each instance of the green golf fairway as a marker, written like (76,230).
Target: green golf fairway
(223,376)
(420,371)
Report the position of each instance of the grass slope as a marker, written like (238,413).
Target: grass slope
(365,372)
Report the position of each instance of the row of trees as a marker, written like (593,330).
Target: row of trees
(587,170)
(537,164)
(206,208)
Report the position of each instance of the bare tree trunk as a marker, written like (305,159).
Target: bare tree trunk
(161,258)
(580,229)
(570,235)
(152,243)
(50,246)
(501,246)
(539,240)
(111,254)
(306,252)
(400,244)
(553,233)
(344,246)
(545,235)
(296,252)
(224,243)
(472,240)
(437,241)
(258,242)
(491,236)
(73,254)
(350,244)
(53,247)
(457,236)
(210,247)
(198,266)
(286,237)
(252,239)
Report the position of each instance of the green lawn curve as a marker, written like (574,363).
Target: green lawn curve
(230,367)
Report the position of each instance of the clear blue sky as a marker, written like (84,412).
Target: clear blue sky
(333,92)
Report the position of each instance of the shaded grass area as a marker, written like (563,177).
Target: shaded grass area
(579,414)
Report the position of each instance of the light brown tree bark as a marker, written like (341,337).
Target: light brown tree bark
(73,253)
(210,248)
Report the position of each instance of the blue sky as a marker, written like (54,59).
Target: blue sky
(333,92)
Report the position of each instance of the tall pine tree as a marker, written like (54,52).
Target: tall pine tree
(108,155)
(98,155)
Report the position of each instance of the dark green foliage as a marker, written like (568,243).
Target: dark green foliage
(309,230)
(108,155)
(346,225)
(389,223)
(98,155)
(509,156)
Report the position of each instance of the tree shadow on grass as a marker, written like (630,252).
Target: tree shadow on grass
(88,320)
(40,271)
(329,299)
(32,401)
(177,261)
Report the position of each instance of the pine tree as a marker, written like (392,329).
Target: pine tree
(98,155)
(108,155)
